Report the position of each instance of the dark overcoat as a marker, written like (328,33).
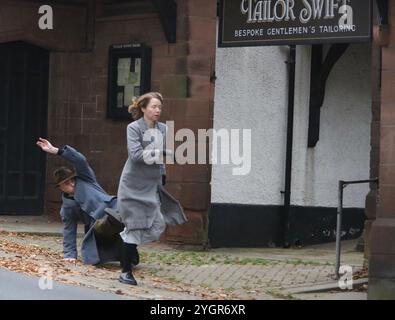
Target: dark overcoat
(87,205)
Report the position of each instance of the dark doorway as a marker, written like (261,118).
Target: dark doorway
(23,118)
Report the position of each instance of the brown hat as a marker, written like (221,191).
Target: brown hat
(63,174)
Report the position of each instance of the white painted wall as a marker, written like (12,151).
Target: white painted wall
(251,92)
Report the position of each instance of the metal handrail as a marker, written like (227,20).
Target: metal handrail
(342,185)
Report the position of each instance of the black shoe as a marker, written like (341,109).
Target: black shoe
(127,277)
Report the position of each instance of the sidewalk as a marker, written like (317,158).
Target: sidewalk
(168,272)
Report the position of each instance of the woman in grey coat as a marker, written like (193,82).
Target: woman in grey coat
(143,204)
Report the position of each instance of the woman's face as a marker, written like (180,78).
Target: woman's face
(153,110)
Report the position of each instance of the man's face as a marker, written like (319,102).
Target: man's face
(68,186)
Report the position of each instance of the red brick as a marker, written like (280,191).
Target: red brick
(382,237)
(174,173)
(98,85)
(60,88)
(182,27)
(192,232)
(98,142)
(164,50)
(175,189)
(199,108)
(89,110)
(199,65)
(80,142)
(202,8)
(75,109)
(197,123)
(387,36)
(60,109)
(164,65)
(382,266)
(58,125)
(195,196)
(200,87)
(388,59)
(92,126)
(388,113)
(182,49)
(74,126)
(387,147)
(52,210)
(387,87)
(181,65)
(174,86)
(174,110)
(52,194)
(386,206)
(155,85)
(80,89)
(202,28)
(202,48)
(387,175)
(196,173)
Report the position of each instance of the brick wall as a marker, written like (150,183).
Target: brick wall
(372,197)
(19,21)
(382,239)
(195,54)
(78,92)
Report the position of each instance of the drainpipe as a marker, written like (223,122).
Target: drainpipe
(288,160)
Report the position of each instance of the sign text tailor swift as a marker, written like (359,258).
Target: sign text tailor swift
(276,22)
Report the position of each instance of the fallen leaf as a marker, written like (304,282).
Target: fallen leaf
(119,292)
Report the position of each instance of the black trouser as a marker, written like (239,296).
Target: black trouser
(129,255)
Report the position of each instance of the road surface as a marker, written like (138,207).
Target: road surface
(16,286)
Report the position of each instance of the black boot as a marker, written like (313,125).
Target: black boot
(128,253)
(135,257)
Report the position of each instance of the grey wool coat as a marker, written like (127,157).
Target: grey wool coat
(141,179)
(86,205)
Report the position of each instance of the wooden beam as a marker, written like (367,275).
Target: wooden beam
(382,6)
(167,10)
(320,72)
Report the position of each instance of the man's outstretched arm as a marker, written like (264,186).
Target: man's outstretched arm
(70,154)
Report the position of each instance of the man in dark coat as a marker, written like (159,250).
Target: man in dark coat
(84,200)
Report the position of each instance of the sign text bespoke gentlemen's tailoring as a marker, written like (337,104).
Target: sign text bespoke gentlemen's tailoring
(276,22)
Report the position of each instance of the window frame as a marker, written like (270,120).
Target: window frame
(116,52)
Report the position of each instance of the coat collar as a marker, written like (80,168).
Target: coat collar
(143,125)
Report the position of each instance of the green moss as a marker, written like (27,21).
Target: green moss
(280,295)
(198,258)
(305,262)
